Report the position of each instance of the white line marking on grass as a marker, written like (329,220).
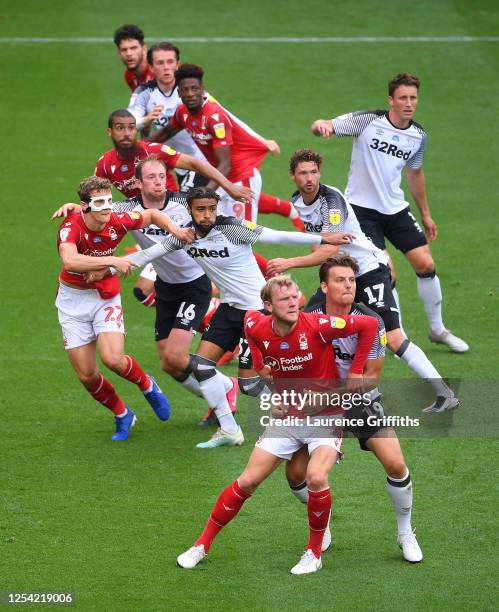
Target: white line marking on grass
(271,39)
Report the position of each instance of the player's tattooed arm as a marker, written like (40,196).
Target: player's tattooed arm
(188,162)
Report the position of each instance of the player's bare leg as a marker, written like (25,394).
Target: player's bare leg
(296,471)
(430,293)
(217,390)
(111,347)
(145,292)
(83,360)
(174,356)
(260,465)
(319,507)
(399,488)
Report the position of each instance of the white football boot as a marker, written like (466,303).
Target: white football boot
(307,564)
(453,342)
(191,557)
(223,438)
(410,547)
(442,403)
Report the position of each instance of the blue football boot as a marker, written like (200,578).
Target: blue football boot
(158,401)
(124,425)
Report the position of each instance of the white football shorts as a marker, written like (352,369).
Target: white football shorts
(283,442)
(232,208)
(83,315)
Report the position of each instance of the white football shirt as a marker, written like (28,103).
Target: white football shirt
(226,256)
(177,266)
(330,212)
(379,153)
(148,96)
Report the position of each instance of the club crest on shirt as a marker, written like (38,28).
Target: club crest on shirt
(303,342)
(112,233)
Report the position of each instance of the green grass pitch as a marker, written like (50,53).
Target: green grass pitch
(106,521)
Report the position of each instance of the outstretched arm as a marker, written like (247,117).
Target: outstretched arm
(152,216)
(271,236)
(188,162)
(323,127)
(316,258)
(164,133)
(76,262)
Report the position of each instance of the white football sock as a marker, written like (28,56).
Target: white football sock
(214,392)
(400,492)
(430,293)
(397,301)
(228,384)
(300,492)
(419,362)
(192,385)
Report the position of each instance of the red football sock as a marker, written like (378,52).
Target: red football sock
(270,204)
(228,505)
(150,300)
(103,391)
(262,263)
(134,373)
(319,507)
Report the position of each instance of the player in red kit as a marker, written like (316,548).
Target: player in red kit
(129,40)
(290,345)
(118,164)
(226,142)
(90,313)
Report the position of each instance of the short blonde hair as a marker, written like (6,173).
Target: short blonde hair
(93,183)
(281,280)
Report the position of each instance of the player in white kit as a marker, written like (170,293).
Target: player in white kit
(222,248)
(322,207)
(386,142)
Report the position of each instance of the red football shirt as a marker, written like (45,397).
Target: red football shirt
(303,360)
(307,352)
(212,127)
(121,172)
(96,244)
(133,80)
